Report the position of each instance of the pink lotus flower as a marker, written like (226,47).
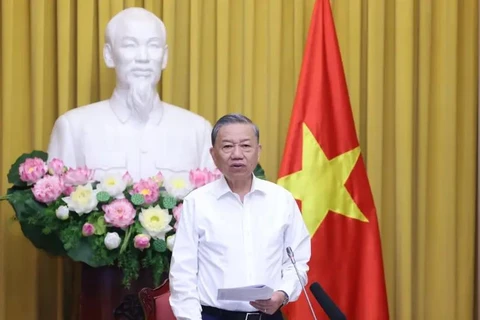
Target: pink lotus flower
(158,179)
(68,190)
(78,176)
(214,175)
(177,213)
(200,178)
(148,188)
(88,229)
(32,170)
(127,178)
(119,213)
(48,189)
(56,167)
(141,241)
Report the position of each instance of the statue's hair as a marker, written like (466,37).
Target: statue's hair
(133,11)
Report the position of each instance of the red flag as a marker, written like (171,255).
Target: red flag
(323,168)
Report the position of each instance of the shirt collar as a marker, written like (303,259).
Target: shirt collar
(124,113)
(222,187)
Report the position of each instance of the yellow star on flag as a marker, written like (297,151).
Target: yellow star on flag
(320,185)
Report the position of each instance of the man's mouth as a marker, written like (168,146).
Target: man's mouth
(142,72)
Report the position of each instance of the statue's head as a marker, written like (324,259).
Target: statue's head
(136,46)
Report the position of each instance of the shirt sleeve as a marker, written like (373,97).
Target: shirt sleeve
(61,145)
(184,298)
(297,238)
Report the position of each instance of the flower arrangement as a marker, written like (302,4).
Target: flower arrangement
(114,221)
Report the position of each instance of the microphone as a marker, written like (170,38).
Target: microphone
(292,258)
(327,304)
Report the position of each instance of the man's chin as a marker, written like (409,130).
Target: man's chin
(143,83)
(238,174)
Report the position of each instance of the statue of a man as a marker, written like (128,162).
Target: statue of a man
(134,130)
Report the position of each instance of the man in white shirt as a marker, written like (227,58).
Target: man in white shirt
(234,232)
(134,130)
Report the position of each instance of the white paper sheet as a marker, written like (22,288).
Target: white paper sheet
(249,293)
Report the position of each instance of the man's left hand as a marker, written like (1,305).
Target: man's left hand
(271,305)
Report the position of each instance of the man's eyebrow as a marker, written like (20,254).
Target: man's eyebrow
(129,38)
(243,140)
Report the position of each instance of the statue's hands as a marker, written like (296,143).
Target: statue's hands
(271,305)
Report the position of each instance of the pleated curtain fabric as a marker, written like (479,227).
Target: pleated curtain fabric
(412,75)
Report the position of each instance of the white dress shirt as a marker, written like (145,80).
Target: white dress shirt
(107,137)
(223,243)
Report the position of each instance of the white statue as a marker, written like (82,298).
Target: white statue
(134,130)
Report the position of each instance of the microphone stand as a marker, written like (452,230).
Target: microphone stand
(292,259)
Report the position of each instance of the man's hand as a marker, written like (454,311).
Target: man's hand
(271,305)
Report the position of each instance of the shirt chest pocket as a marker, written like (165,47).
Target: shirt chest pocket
(218,237)
(175,166)
(105,160)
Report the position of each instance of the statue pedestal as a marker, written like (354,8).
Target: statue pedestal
(103,296)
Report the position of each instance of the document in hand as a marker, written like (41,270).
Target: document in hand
(249,293)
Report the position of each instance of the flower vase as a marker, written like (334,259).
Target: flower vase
(104,297)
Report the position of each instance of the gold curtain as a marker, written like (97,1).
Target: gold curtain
(411,67)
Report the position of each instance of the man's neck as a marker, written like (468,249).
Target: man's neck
(122,92)
(241,186)
(120,98)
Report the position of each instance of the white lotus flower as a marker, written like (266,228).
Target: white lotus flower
(170,242)
(62,213)
(112,240)
(113,184)
(155,221)
(178,187)
(82,200)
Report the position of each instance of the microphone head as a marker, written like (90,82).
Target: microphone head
(315,286)
(290,252)
(327,304)
(290,255)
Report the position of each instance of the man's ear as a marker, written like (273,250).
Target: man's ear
(259,151)
(165,57)
(108,56)
(212,153)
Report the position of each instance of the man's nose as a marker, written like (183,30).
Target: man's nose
(142,54)
(237,152)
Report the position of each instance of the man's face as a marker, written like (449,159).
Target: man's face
(139,52)
(236,151)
